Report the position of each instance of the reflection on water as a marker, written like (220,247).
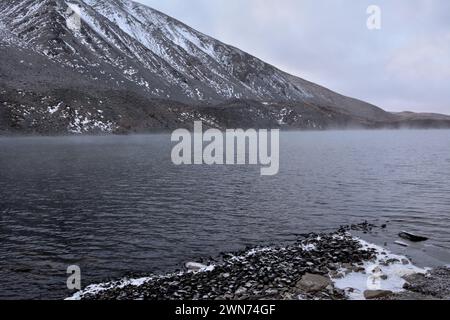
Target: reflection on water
(114,205)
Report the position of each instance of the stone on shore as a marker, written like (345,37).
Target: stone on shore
(412,237)
(401,243)
(376,294)
(311,283)
(195,266)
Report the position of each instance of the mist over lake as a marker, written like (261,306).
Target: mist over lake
(117,205)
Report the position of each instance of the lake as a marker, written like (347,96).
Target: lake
(117,205)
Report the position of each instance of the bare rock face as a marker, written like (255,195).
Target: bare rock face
(312,283)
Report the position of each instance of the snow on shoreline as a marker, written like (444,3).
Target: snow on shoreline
(97,288)
(386,272)
(94,289)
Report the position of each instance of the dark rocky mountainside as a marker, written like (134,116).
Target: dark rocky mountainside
(116,66)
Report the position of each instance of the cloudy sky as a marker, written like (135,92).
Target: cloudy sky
(403,66)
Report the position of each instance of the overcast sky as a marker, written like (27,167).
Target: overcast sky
(403,66)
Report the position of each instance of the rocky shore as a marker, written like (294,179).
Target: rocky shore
(434,285)
(319,266)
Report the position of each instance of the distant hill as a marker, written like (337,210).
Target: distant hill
(129,68)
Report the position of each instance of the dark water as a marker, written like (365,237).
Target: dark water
(114,205)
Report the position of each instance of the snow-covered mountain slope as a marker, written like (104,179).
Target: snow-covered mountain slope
(60,48)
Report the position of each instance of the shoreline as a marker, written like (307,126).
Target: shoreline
(336,266)
(12,135)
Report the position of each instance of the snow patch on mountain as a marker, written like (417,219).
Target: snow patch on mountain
(83,123)
(73,21)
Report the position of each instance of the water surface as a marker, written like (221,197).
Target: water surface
(115,205)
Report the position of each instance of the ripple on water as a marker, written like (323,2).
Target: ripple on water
(115,205)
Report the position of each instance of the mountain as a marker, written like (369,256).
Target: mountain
(89,66)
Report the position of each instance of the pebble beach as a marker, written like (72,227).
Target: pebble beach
(332,266)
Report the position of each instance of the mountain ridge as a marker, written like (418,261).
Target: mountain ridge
(171,74)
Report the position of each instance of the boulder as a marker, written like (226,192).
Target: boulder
(311,283)
(376,294)
(412,237)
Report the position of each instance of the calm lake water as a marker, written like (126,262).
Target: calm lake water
(115,205)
